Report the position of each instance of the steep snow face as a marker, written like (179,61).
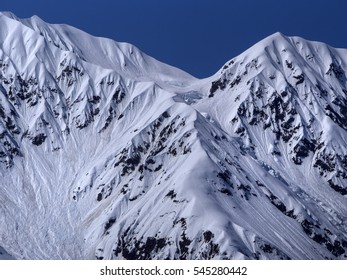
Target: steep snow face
(107,153)
(286,99)
(289,98)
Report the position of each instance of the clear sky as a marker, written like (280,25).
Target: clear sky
(198,36)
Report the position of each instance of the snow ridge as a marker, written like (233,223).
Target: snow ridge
(107,153)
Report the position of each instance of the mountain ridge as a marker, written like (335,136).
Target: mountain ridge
(107,153)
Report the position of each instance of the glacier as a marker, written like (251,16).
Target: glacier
(107,153)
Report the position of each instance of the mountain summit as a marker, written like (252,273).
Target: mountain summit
(107,153)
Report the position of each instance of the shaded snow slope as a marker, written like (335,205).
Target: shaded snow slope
(4,255)
(107,153)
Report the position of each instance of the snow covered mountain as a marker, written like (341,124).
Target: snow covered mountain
(107,153)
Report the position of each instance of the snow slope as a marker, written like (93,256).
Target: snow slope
(107,153)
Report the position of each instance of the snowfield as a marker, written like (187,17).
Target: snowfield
(107,153)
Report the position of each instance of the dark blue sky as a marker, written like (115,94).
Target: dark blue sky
(198,36)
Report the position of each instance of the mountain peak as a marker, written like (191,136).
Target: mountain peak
(151,163)
(277,36)
(13,16)
(9,15)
